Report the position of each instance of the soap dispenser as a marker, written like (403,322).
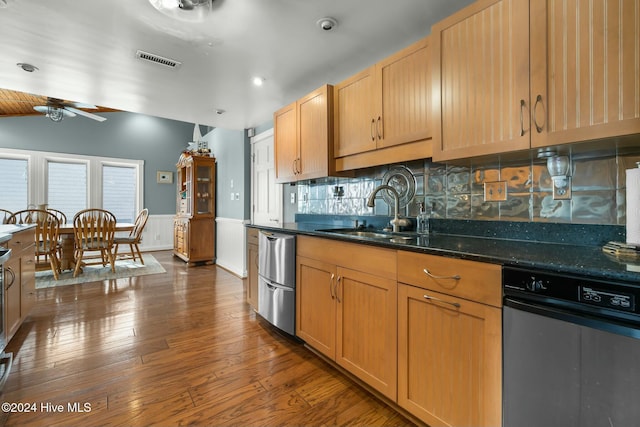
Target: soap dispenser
(422,223)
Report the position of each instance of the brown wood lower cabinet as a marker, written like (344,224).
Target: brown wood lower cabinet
(19,280)
(425,331)
(251,282)
(449,346)
(349,314)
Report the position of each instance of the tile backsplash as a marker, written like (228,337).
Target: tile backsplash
(457,192)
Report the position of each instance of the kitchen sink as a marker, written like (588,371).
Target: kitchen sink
(373,234)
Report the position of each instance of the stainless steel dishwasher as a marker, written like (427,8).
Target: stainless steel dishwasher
(571,350)
(277,279)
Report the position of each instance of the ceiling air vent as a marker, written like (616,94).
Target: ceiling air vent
(157,59)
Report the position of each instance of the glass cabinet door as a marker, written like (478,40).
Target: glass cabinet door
(204,190)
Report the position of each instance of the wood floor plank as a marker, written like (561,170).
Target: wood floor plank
(178,348)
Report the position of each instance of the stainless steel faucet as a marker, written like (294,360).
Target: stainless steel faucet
(396,222)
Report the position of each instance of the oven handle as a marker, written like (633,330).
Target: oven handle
(608,325)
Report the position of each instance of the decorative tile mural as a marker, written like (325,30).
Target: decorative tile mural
(457,192)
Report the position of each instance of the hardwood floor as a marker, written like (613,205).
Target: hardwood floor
(181,348)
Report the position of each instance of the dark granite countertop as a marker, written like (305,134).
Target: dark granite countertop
(569,258)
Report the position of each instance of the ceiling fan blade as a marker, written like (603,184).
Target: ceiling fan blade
(44,109)
(80,105)
(85,114)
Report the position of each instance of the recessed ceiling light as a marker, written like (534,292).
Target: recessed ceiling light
(27,67)
(258,81)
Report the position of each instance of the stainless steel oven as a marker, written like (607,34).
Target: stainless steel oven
(7,276)
(571,350)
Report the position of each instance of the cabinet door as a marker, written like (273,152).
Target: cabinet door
(366,330)
(355,113)
(314,133)
(481,80)
(316,304)
(585,65)
(406,96)
(286,143)
(252,273)
(12,297)
(204,196)
(449,359)
(201,240)
(27,280)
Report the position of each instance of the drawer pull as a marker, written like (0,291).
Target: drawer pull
(337,291)
(455,277)
(429,297)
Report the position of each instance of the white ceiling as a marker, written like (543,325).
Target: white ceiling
(85,52)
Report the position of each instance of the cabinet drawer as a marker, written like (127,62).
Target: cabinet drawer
(252,236)
(475,281)
(22,240)
(368,259)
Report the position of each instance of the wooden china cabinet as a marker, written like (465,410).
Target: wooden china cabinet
(194,224)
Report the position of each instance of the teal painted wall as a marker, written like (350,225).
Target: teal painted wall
(124,135)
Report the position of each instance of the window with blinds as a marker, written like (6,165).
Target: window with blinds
(119,188)
(67,187)
(70,183)
(14,184)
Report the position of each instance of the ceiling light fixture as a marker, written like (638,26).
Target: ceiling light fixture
(327,23)
(258,81)
(27,67)
(184,10)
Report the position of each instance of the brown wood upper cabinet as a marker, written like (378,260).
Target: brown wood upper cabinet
(513,74)
(382,114)
(303,135)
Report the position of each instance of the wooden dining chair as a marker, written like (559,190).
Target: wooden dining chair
(59,214)
(47,237)
(5,215)
(93,231)
(134,238)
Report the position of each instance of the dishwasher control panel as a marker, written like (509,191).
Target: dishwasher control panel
(607,299)
(567,290)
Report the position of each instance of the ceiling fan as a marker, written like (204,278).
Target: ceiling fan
(57,109)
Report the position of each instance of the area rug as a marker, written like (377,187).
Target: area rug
(93,273)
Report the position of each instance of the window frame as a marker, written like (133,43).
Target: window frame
(37,173)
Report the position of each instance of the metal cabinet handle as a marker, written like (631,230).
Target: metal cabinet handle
(428,273)
(378,126)
(331,284)
(373,135)
(535,110)
(522,105)
(337,292)
(429,297)
(293,166)
(13,277)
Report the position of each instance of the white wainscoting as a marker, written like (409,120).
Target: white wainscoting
(158,233)
(230,245)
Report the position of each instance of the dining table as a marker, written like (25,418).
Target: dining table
(67,253)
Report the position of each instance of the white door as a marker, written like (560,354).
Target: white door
(266,195)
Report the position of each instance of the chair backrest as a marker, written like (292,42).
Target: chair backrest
(141,221)
(94,228)
(59,214)
(4,216)
(47,227)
